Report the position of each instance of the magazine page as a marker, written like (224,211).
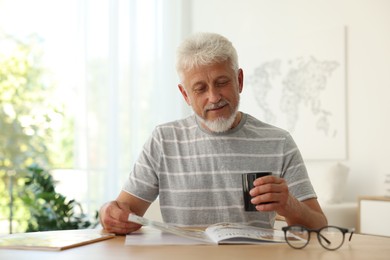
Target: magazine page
(227,233)
(188,233)
(149,236)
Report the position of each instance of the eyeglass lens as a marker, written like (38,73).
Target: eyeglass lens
(330,238)
(297,237)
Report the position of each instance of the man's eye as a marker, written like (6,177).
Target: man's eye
(222,83)
(199,89)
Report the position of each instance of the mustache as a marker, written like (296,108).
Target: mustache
(220,104)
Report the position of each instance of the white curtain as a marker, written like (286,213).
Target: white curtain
(129,85)
(113,61)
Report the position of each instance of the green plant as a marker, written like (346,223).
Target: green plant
(49,209)
(33,125)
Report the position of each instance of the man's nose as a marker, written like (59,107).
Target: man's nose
(214,95)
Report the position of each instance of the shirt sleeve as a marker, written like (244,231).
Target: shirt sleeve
(143,180)
(295,173)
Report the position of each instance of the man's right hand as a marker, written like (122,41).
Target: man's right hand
(113,217)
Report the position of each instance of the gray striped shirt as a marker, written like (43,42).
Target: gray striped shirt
(197,174)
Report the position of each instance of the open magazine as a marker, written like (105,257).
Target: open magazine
(222,233)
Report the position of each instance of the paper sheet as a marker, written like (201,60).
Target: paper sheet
(153,237)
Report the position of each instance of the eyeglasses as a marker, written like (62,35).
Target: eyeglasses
(330,237)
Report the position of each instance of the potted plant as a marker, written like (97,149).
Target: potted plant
(49,209)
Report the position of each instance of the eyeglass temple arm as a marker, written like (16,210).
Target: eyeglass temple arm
(352,230)
(324,238)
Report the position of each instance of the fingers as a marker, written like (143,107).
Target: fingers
(268,179)
(119,211)
(267,199)
(266,207)
(270,193)
(268,184)
(115,218)
(117,227)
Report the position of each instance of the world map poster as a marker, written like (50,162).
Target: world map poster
(298,83)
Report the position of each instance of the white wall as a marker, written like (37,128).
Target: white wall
(368,67)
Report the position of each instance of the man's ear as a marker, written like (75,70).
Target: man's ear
(240,80)
(184,94)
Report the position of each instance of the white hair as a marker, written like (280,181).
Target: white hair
(204,49)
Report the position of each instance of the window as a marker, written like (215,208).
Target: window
(112,65)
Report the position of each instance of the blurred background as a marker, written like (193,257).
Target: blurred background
(83,83)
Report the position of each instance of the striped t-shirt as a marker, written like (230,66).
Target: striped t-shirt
(197,174)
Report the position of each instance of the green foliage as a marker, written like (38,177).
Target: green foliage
(32,121)
(50,210)
(24,121)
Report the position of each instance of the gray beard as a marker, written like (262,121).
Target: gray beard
(219,125)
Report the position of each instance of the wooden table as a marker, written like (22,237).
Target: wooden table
(361,247)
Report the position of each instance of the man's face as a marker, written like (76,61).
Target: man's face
(213,92)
